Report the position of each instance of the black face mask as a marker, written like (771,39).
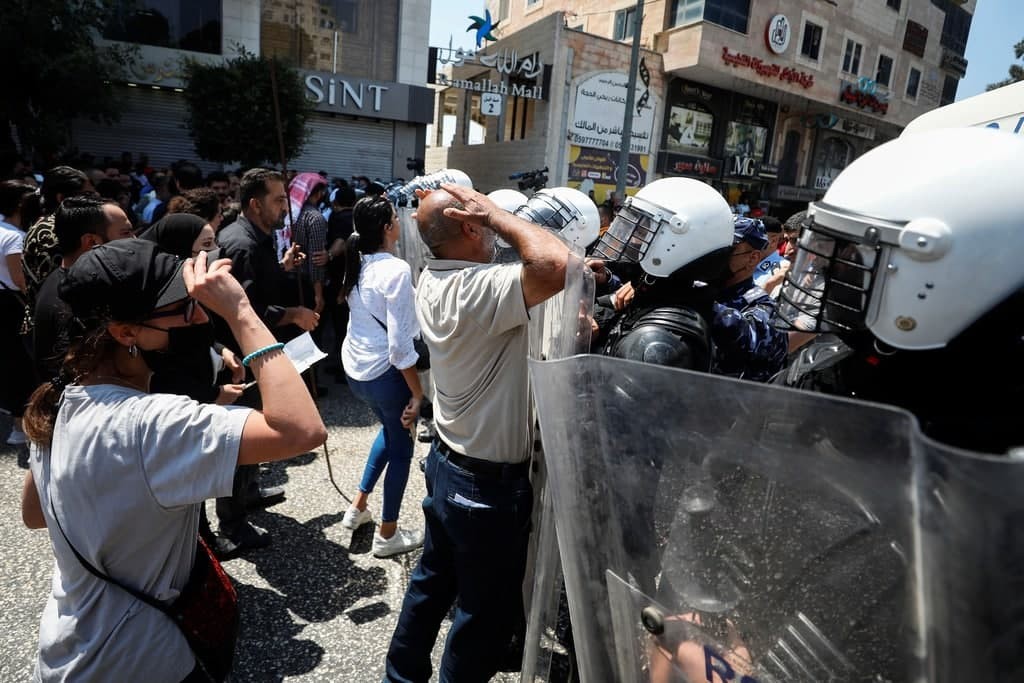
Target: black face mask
(188,351)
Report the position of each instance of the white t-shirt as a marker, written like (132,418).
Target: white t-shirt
(127,471)
(11,240)
(385,293)
(474,321)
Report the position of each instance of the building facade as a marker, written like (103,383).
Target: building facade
(363,62)
(767,100)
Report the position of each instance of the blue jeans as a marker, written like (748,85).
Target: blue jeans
(474,554)
(387,396)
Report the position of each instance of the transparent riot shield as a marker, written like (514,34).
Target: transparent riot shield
(716,530)
(559,328)
(410,247)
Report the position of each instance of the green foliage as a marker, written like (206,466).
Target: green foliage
(1016,70)
(231,110)
(54,70)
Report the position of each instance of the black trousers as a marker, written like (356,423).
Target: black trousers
(16,365)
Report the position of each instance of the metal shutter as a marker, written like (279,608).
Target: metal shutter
(347,147)
(152,123)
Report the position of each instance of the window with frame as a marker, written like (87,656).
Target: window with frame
(687,11)
(949,87)
(883,75)
(913,83)
(851,57)
(531,3)
(732,14)
(915,40)
(811,46)
(894,4)
(194,25)
(955,29)
(625,23)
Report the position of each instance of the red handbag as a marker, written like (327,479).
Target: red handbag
(206,610)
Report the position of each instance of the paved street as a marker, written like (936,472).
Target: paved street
(316,606)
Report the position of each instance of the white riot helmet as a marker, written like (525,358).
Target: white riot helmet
(567,212)
(509,200)
(914,241)
(667,225)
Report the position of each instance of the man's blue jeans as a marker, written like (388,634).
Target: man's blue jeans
(474,555)
(387,396)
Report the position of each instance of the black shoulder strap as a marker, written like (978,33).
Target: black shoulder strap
(148,599)
(371,312)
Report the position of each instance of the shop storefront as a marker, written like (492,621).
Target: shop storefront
(719,136)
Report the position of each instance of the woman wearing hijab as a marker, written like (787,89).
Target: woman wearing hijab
(194,365)
(182,234)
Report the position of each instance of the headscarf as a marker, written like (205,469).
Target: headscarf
(175,233)
(299,190)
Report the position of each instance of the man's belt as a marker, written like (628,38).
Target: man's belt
(483,468)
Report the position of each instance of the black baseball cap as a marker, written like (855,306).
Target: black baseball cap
(125,280)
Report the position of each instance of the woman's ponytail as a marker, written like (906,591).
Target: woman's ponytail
(371,216)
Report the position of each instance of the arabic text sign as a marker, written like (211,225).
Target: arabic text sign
(599,111)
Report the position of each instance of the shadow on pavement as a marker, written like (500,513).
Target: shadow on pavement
(313,579)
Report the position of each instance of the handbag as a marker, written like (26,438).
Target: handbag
(206,610)
(422,352)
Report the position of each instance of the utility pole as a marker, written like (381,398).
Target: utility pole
(627,119)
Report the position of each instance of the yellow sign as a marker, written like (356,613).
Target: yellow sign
(594,172)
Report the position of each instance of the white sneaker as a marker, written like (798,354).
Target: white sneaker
(17,438)
(402,542)
(354,519)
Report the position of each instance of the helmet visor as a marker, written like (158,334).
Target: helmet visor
(828,287)
(629,236)
(546,212)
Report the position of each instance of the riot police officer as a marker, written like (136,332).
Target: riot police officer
(694,303)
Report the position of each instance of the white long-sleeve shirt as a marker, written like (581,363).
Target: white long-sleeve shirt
(385,293)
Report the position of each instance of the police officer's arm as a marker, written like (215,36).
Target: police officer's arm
(543,254)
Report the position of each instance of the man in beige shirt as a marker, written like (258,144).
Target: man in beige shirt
(473,315)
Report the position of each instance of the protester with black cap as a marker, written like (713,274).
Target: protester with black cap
(117,474)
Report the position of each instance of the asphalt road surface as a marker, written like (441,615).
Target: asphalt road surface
(316,605)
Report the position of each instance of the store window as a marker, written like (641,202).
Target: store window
(689,129)
(851,57)
(883,75)
(732,14)
(194,25)
(625,24)
(811,45)
(834,154)
(913,83)
(789,164)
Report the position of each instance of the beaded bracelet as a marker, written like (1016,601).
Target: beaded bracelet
(261,352)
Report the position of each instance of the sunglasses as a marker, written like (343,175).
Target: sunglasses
(188,310)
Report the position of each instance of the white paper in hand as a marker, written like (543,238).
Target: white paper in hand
(303,352)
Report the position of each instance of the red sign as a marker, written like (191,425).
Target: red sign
(855,96)
(763,68)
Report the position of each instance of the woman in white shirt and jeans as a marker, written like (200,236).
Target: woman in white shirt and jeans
(380,362)
(20,207)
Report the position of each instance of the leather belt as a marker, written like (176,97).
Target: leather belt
(483,468)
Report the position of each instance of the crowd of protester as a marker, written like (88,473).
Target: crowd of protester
(144,314)
(139,306)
